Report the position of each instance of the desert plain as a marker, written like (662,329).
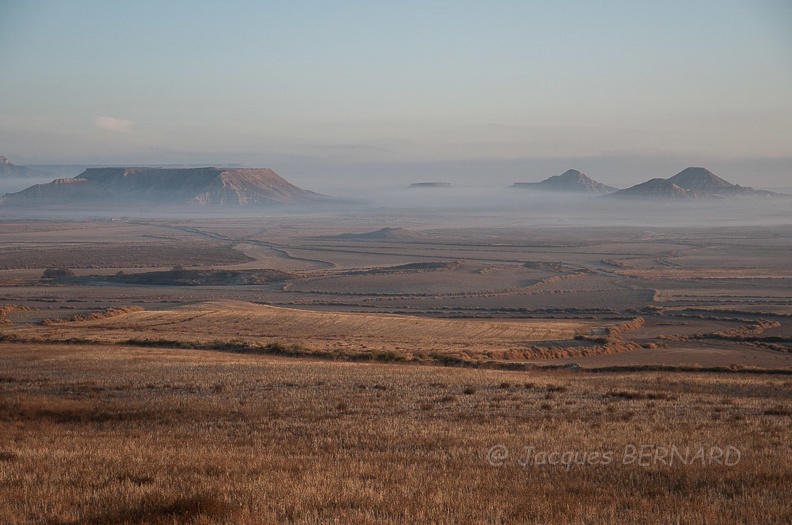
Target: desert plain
(394,367)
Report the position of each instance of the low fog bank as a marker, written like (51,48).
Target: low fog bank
(460,205)
(620,171)
(515,206)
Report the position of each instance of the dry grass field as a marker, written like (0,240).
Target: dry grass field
(321,331)
(459,370)
(115,434)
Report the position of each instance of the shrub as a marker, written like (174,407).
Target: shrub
(57,273)
(778,410)
(448,360)
(388,356)
(7,456)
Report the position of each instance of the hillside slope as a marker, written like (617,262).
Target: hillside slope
(570,181)
(691,183)
(658,189)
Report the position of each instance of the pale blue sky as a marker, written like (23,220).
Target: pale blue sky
(308,83)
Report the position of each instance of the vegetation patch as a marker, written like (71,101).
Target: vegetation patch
(778,410)
(182,277)
(410,268)
(165,508)
(622,394)
(7,309)
(107,313)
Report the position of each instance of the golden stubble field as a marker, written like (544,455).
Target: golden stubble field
(349,332)
(117,434)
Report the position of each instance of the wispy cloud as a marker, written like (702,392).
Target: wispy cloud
(119,125)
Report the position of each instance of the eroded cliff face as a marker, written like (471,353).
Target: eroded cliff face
(251,188)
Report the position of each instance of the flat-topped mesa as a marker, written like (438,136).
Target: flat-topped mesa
(196,186)
(431,185)
(571,181)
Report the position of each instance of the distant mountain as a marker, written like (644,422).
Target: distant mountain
(700,179)
(12,171)
(569,181)
(431,185)
(158,186)
(691,183)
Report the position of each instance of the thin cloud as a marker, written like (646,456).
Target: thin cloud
(119,125)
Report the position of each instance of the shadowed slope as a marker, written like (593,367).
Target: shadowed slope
(660,189)
(691,183)
(700,179)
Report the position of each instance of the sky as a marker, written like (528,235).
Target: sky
(511,90)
